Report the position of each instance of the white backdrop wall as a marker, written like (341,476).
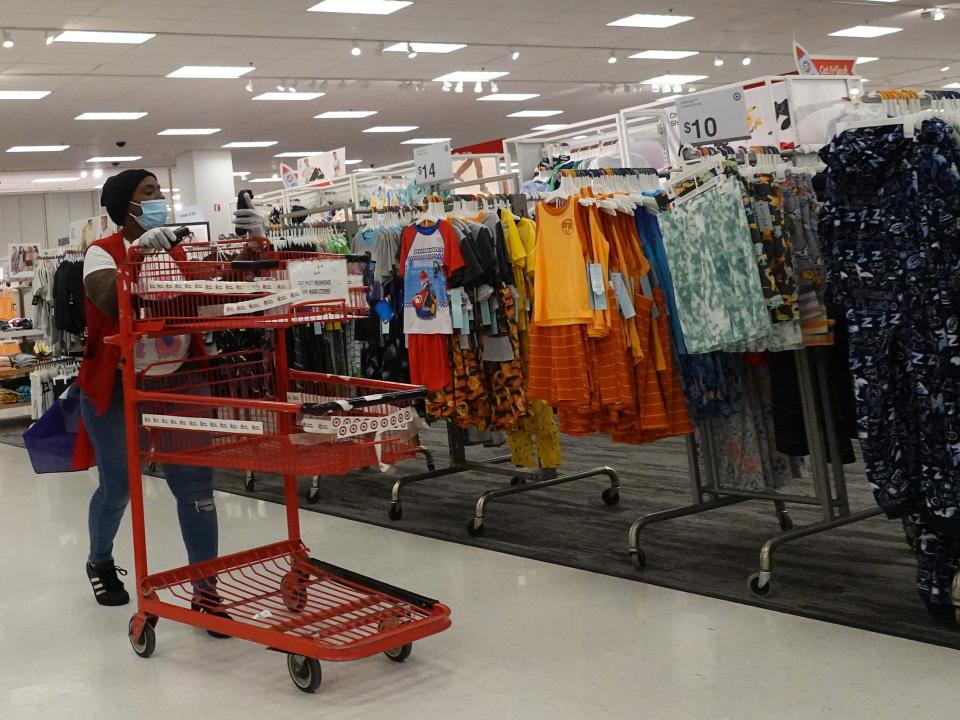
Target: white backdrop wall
(42,218)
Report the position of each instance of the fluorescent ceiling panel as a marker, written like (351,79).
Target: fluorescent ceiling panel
(866,31)
(352,162)
(120,38)
(211,71)
(252,144)
(420,47)
(242,173)
(23,94)
(298,154)
(674,79)
(550,127)
(345,114)
(289,96)
(863,60)
(951,86)
(509,97)
(469,76)
(392,129)
(110,116)
(664,54)
(56,180)
(266,180)
(37,148)
(642,20)
(189,131)
(425,141)
(361,7)
(115,158)
(535,113)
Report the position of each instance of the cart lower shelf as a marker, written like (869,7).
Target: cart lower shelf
(278,596)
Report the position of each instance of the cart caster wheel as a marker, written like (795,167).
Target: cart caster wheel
(395,512)
(786,522)
(250,482)
(431,466)
(146,643)
(293,592)
(305,672)
(474,530)
(517,480)
(401,653)
(611,497)
(639,559)
(313,494)
(756,588)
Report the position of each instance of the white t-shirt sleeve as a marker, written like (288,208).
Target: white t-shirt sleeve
(96,258)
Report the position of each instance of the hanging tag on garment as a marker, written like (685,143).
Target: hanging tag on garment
(764,218)
(384,327)
(623,296)
(318,328)
(485,313)
(598,296)
(464,341)
(647,291)
(456,308)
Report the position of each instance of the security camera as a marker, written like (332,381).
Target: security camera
(115,164)
(927,14)
(121,143)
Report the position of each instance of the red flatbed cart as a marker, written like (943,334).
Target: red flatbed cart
(250,412)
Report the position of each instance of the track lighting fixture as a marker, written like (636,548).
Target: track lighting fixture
(478,87)
(459,87)
(342,85)
(494,88)
(249,86)
(7,40)
(678,88)
(356,51)
(718,61)
(282,86)
(613,57)
(292,87)
(447,87)
(411,53)
(514,54)
(48,38)
(747,60)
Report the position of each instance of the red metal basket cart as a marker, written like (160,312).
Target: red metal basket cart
(248,411)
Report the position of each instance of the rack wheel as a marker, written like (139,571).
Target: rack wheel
(401,653)
(305,672)
(395,512)
(146,643)
(475,530)
(756,588)
(431,465)
(786,522)
(313,494)
(292,591)
(639,558)
(517,480)
(611,497)
(250,481)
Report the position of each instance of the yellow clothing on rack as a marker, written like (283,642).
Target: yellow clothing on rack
(8,310)
(561,293)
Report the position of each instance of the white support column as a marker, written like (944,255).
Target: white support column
(205,179)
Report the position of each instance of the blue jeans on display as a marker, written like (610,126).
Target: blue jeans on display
(191,486)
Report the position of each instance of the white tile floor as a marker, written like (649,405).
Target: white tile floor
(529,640)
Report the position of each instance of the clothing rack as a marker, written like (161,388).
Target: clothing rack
(829,480)
(522,481)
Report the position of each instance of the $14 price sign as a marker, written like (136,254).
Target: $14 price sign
(713,117)
(434,163)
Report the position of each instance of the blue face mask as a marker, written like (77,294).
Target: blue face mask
(154,214)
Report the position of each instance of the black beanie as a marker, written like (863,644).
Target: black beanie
(118,191)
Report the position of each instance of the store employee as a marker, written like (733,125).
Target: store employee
(134,202)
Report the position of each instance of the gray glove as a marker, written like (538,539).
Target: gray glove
(161,238)
(252,221)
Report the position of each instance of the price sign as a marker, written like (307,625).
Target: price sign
(712,117)
(434,163)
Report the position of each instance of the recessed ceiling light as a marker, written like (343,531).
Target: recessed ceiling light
(674,79)
(550,127)
(352,162)
(299,154)
(251,144)
(664,54)
(356,50)
(345,114)
(84,36)
(211,71)
(37,148)
(392,129)
(56,180)
(864,59)
(425,47)
(650,21)
(509,97)
(189,131)
(535,113)
(361,7)
(303,96)
(945,68)
(110,116)
(470,76)
(866,31)
(7,39)
(116,158)
(23,94)
(425,141)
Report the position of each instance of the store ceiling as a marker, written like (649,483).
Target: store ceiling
(284,41)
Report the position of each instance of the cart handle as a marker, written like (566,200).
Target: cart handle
(333,406)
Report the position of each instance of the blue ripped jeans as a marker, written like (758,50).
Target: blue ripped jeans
(191,486)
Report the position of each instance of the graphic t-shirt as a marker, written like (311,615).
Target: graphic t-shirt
(428,255)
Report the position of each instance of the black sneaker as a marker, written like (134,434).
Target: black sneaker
(209,601)
(107,588)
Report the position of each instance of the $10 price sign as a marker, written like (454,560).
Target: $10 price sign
(434,163)
(713,117)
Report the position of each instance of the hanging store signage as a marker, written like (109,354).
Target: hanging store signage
(433,163)
(712,117)
(817,65)
(320,169)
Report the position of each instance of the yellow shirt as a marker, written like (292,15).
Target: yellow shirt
(561,294)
